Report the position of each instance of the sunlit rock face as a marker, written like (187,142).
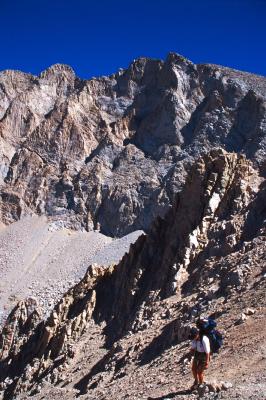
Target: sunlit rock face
(110,153)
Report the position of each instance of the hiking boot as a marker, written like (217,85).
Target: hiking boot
(194,386)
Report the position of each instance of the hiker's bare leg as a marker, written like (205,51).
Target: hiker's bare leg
(201,377)
(202,369)
(195,372)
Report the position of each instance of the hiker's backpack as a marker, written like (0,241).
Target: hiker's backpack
(216,340)
(207,327)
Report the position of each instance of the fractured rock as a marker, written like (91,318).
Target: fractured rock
(110,153)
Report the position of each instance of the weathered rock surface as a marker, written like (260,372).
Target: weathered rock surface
(110,153)
(207,256)
(28,344)
(42,260)
(207,222)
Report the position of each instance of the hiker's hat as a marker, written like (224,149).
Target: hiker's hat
(201,323)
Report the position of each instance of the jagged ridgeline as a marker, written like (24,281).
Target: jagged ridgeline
(207,255)
(110,153)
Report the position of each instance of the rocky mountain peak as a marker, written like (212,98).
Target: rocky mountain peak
(57,69)
(122,143)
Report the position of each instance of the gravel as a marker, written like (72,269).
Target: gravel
(39,261)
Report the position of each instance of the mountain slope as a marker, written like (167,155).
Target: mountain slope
(41,260)
(110,153)
(121,331)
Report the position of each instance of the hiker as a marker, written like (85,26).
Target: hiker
(201,350)
(206,340)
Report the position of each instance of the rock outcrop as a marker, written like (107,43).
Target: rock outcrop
(207,222)
(110,153)
(30,346)
(206,254)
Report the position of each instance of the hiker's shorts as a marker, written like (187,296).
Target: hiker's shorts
(199,361)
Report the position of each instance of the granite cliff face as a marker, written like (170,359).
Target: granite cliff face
(207,255)
(110,153)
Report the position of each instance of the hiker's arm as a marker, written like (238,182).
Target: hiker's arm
(192,348)
(191,352)
(207,359)
(207,349)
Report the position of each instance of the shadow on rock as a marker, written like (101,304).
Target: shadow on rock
(173,333)
(84,384)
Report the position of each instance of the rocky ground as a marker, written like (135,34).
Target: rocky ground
(40,259)
(149,365)
(122,331)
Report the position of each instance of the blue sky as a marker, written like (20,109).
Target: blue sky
(97,38)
